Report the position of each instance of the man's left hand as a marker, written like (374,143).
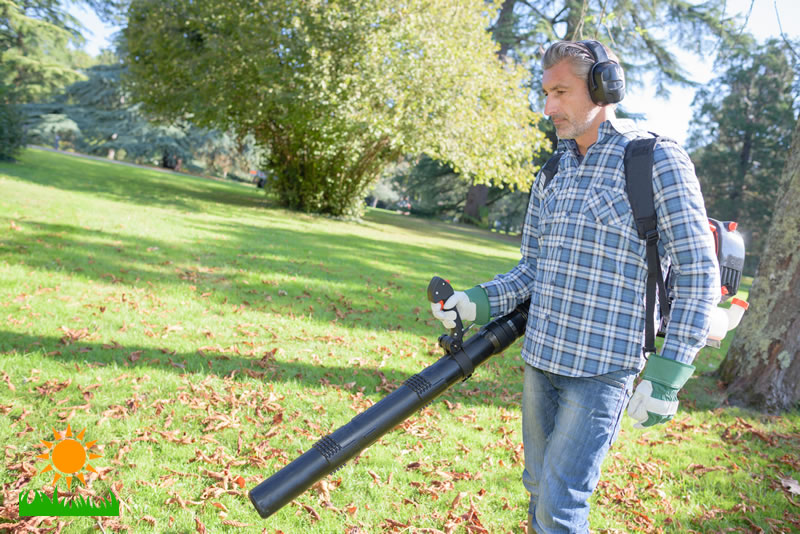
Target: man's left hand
(655,399)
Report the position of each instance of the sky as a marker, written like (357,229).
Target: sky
(666,117)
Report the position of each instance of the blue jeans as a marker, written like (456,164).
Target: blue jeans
(568,425)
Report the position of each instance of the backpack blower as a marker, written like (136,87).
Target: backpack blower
(729,246)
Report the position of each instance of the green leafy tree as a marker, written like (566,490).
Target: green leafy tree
(741,137)
(97,116)
(35,59)
(11,127)
(642,32)
(432,187)
(336,90)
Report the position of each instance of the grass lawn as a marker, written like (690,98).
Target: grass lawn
(205,339)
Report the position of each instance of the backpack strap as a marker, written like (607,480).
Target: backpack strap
(639,186)
(551,168)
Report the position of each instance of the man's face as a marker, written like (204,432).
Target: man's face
(568,103)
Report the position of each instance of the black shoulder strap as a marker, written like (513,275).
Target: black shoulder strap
(551,168)
(639,186)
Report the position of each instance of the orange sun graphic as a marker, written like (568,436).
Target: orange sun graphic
(68,455)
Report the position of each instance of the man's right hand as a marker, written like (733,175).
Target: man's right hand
(459,302)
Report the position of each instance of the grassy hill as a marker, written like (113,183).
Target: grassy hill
(205,339)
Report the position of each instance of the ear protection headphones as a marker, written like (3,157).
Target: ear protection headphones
(606,79)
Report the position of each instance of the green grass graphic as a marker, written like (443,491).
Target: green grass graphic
(42,505)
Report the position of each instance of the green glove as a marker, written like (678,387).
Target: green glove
(655,399)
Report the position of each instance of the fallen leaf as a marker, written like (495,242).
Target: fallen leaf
(220,506)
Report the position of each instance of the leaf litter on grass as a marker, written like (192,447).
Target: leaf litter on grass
(211,370)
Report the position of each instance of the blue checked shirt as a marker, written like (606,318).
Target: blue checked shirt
(584,267)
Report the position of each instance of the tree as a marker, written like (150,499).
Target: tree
(11,132)
(641,32)
(35,60)
(97,116)
(762,367)
(740,137)
(338,89)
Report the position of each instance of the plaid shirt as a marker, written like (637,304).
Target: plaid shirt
(584,267)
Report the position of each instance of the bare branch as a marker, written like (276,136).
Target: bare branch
(783,35)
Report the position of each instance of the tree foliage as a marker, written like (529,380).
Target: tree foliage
(741,135)
(642,32)
(11,130)
(335,90)
(39,56)
(35,59)
(97,116)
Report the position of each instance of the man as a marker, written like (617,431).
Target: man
(584,268)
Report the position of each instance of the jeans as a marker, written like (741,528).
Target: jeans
(568,425)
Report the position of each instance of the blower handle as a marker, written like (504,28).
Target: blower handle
(439,290)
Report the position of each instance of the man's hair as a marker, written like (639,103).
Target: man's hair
(577,54)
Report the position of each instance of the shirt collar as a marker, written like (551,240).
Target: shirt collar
(606,131)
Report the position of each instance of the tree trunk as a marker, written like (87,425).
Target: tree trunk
(762,367)
(476,199)
(502,32)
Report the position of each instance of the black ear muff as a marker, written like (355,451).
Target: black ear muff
(606,79)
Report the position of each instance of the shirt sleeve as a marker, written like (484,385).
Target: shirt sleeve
(509,290)
(689,245)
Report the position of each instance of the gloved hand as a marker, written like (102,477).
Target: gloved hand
(472,305)
(655,399)
(460,301)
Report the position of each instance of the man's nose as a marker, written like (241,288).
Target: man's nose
(549,106)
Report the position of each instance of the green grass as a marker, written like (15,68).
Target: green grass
(43,505)
(205,339)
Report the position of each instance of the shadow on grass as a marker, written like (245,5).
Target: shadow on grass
(479,390)
(348,279)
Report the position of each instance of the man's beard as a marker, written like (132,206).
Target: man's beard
(574,128)
(570,129)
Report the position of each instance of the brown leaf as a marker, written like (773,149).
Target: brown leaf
(375,477)
(239,481)
(458,499)
(201,528)
(700,469)
(220,506)
(71,336)
(7,380)
(310,509)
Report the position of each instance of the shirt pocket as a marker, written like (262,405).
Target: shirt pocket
(607,206)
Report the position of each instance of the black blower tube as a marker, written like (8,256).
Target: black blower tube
(333,450)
